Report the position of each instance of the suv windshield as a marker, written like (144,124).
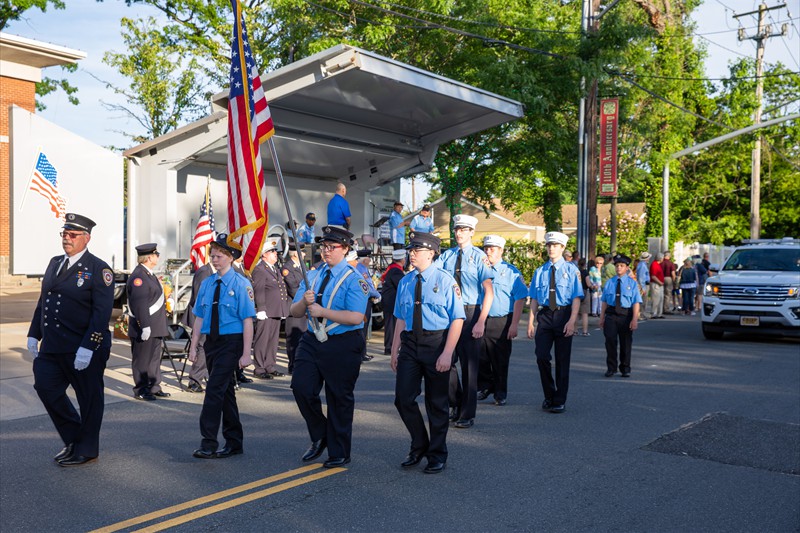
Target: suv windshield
(776,259)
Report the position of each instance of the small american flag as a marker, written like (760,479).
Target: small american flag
(45,182)
(203,233)
(249,124)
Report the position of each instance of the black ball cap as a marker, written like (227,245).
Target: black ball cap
(222,242)
(428,241)
(337,234)
(619,258)
(293,246)
(78,222)
(364,253)
(146,249)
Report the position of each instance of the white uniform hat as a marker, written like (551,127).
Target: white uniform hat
(270,244)
(398,254)
(555,236)
(352,255)
(464,221)
(494,240)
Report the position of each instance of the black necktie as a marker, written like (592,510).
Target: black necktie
(618,298)
(552,293)
(214,334)
(62,269)
(416,326)
(458,268)
(325,279)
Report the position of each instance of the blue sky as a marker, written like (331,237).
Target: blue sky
(94,28)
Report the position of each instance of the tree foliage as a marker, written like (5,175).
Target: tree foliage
(12,10)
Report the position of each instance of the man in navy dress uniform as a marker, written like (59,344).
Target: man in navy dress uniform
(147,324)
(71,321)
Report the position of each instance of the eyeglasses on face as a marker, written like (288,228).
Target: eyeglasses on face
(71,234)
(331,247)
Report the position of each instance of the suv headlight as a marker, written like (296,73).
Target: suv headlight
(793,292)
(711,289)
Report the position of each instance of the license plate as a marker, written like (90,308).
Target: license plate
(748,320)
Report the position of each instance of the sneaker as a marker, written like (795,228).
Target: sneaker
(694,313)
(585,333)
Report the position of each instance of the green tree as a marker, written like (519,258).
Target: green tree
(12,10)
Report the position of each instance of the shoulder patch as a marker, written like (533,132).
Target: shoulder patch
(363,285)
(108,277)
(457,290)
(137,282)
(250,293)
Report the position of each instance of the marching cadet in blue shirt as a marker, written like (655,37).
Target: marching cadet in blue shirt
(422,223)
(556,294)
(510,293)
(468,267)
(71,320)
(430,316)
(224,312)
(330,352)
(621,302)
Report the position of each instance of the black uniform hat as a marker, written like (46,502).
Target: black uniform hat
(78,222)
(337,234)
(311,216)
(426,207)
(428,241)
(364,253)
(222,242)
(146,249)
(619,258)
(293,246)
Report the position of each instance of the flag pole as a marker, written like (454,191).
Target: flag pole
(207,254)
(319,330)
(30,179)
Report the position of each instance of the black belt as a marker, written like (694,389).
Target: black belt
(611,311)
(428,332)
(470,306)
(351,332)
(558,308)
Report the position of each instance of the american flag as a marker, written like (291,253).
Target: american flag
(249,124)
(203,233)
(45,182)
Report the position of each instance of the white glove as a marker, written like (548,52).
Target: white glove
(33,347)
(145,333)
(261,315)
(377,299)
(82,358)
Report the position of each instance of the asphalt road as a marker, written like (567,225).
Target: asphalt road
(703,437)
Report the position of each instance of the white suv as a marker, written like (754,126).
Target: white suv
(756,290)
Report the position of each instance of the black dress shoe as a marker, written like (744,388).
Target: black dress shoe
(241,378)
(227,451)
(558,409)
(366,358)
(626,374)
(200,453)
(434,467)
(546,405)
(315,450)
(609,373)
(335,462)
(500,401)
(76,460)
(412,459)
(65,452)
(146,396)
(483,394)
(194,386)
(455,413)
(465,423)
(262,375)
(162,394)
(276,374)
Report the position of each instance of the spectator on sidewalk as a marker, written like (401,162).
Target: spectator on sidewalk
(669,270)
(596,279)
(688,285)
(657,288)
(643,279)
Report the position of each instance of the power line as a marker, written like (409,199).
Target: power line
(791,20)
(723,47)
(732,78)
(769,14)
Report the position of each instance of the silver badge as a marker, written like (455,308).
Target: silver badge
(230,293)
(80,282)
(436,288)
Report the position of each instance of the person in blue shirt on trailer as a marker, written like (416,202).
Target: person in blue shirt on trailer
(422,223)
(430,315)
(556,294)
(397,227)
(224,312)
(468,266)
(502,324)
(338,208)
(619,317)
(330,351)
(305,233)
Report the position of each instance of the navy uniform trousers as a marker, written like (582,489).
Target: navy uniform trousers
(146,362)
(468,351)
(53,373)
(618,327)
(415,362)
(549,333)
(222,359)
(495,356)
(295,327)
(336,363)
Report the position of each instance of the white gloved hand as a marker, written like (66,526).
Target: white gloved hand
(82,358)
(377,299)
(145,333)
(261,315)
(33,347)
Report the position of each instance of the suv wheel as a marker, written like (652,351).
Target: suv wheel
(712,335)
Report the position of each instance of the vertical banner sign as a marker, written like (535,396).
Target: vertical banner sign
(609,119)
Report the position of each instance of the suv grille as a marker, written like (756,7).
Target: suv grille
(753,293)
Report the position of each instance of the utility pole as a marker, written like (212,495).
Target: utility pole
(764,33)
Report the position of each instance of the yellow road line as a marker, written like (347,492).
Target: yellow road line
(161,526)
(205,499)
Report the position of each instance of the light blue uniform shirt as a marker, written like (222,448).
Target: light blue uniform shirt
(508,288)
(628,292)
(568,283)
(398,233)
(441,299)
(642,273)
(236,302)
(422,224)
(364,271)
(351,296)
(305,234)
(474,271)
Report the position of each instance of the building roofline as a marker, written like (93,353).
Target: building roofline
(39,53)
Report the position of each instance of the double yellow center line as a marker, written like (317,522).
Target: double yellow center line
(228,504)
